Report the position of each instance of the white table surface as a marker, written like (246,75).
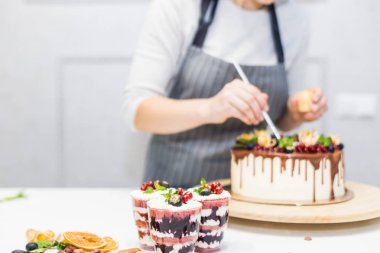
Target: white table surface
(107,212)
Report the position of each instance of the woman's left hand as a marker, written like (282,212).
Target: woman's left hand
(318,108)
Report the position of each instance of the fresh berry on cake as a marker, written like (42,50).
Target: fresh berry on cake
(302,168)
(214,215)
(174,221)
(148,191)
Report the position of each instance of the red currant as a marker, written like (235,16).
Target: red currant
(144,186)
(186,197)
(212,187)
(218,189)
(217,183)
(180,191)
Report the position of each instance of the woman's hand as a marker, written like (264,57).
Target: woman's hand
(318,108)
(238,100)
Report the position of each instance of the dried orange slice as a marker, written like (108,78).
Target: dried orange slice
(84,240)
(111,244)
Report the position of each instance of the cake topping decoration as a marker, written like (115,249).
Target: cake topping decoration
(207,189)
(309,138)
(306,141)
(151,187)
(264,139)
(177,197)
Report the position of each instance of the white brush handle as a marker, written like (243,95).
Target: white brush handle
(265,115)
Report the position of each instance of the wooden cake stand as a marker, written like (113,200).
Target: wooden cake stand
(364,204)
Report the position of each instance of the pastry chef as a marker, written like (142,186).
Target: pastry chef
(184,89)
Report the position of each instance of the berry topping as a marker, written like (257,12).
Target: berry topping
(175,200)
(218,189)
(150,187)
(31,246)
(165,184)
(304,142)
(186,197)
(207,189)
(144,186)
(205,192)
(180,191)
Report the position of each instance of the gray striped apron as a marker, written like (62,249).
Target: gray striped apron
(184,158)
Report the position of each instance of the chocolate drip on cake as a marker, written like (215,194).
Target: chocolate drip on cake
(317,160)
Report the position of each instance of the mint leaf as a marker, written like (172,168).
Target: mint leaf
(325,141)
(203,182)
(19,195)
(159,187)
(168,195)
(253,141)
(60,245)
(286,142)
(44,244)
(149,190)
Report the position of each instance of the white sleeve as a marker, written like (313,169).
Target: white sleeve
(156,57)
(297,69)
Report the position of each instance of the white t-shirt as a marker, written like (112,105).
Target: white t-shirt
(235,35)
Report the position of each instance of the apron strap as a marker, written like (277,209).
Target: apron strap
(276,34)
(208,9)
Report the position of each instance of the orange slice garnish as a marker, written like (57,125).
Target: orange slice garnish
(111,245)
(84,240)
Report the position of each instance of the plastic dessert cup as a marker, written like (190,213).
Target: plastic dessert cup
(214,220)
(174,229)
(140,213)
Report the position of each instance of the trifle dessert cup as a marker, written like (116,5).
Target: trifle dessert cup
(174,222)
(214,215)
(148,191)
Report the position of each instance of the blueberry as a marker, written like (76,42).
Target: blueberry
(175,200)
(31,246)
(341,146)
(165,184)
(331,149)
(250,146)
(205,192)
(19,251)
(288,151)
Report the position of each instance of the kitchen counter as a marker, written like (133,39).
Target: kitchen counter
(108,212)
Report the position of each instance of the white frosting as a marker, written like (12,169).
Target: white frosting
(214,244)
(162,204)
(222,211)
(142,229)
(206,212)
(176,248)
(223,195)
(211,223)
(250,179)
(140,195)
(147,240)
(215,232)
(140,210)
(139,217)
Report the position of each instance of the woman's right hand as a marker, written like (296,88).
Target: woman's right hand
(238,100)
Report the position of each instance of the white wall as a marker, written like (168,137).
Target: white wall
(59,59)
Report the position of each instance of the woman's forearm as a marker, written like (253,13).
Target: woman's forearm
(161,115)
